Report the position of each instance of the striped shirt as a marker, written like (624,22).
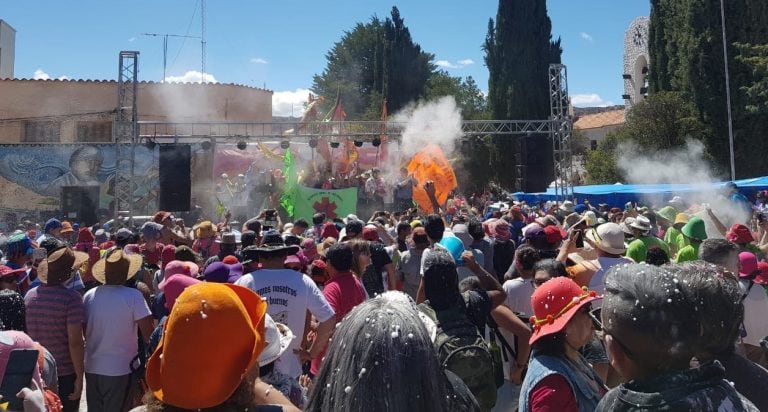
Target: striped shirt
(49,310)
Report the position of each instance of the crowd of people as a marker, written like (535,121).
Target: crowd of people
(473,305)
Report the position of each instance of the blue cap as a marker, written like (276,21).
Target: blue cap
(51,224)
(580,208)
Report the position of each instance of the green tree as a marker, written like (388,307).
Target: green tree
(755,58)
(518,51)
(373,61)
(686,52)
(601,163)
(472,101)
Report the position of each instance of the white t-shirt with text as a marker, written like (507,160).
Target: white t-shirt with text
(290,295)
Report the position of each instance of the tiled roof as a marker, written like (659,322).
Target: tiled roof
(598,120)
(141,82)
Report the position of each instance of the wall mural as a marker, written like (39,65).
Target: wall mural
(35,174)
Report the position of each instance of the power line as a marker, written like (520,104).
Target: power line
(189,26)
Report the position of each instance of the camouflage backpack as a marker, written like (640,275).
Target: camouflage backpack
(463,351)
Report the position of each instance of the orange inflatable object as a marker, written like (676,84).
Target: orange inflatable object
(430,164)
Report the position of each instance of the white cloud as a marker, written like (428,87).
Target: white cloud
(458,65)
(258,60)
(587,37)
(192,76)
(131,39)
(289,103)
(41,75)
(589,100)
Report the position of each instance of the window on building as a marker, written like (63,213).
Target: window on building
(42,131)
(593,144)
(94,131)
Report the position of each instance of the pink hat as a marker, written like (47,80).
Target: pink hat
(174,286)
(292,259)
(747,264)
(177,267)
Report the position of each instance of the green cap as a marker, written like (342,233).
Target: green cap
(668,213)
(695,229)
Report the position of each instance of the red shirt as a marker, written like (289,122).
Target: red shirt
(152,257)
(343,293)
(553,394)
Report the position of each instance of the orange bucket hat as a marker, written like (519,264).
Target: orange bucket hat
(212,338)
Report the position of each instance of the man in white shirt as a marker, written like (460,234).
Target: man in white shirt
(113,313)
(290,295)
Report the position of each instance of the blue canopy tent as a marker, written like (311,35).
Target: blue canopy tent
(618,194)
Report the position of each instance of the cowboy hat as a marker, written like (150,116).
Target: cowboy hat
(116,267)
(228,238)
(60,265)
(272,242)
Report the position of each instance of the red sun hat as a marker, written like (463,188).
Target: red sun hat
(8,273)
(554,305)
(739,234)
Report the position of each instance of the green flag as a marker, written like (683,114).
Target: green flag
(334,203)
(288,198)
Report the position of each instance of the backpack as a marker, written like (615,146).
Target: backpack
(463,351)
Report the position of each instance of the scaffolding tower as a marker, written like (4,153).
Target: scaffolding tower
(561,131)
(125,130)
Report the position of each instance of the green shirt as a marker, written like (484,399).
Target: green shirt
(688,253)
(670,238)
(638,248)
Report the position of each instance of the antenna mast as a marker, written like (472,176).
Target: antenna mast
(202,40)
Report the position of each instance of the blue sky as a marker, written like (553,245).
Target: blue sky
(282,44)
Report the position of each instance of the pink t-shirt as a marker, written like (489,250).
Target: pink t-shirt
(343,293)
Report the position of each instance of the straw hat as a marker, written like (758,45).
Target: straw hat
(60,265)
(116,267)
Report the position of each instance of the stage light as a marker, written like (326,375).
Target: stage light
(358,143)
(206,145)
(335,145)
(242,145)
(376,142)
(285,144)
(312,143)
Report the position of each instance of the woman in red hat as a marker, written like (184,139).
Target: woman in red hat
(558,377)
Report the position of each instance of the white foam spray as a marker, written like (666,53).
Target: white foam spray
(686,164)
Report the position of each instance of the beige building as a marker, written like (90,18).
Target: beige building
(82,111)
(596,126)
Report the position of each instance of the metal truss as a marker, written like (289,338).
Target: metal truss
(358,130)
(126,130)
(562,126)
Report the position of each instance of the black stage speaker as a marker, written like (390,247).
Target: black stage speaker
(79,204)
(535,169)
(175,177)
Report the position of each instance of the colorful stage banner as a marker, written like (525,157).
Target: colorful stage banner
(334,203)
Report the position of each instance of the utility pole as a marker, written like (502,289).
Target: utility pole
(202,40)
(165,46)
(728,93)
